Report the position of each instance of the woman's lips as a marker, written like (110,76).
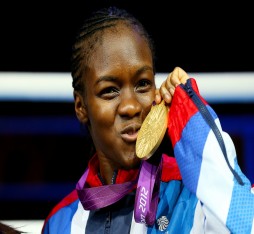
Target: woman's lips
(130,133)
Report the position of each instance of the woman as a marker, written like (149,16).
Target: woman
(114,90)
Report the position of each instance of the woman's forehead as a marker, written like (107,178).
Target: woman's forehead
(121,51)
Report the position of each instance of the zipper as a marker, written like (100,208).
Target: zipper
(210,121)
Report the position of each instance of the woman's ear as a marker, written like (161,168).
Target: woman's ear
(80,108)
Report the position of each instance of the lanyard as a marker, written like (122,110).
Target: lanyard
(147,194)
(98,197)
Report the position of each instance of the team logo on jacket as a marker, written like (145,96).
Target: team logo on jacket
(162,223)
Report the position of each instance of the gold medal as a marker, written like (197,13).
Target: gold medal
(152,131)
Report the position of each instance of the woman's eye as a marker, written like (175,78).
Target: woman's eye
(109,92)
(143,85)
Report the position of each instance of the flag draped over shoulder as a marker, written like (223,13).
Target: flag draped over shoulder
(207,160)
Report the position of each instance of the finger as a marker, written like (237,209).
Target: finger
(165,93)
(178,76)
(157,96)
(168,82)
(169,85)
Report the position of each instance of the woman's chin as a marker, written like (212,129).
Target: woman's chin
(132,163)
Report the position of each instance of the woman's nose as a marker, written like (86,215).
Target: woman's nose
(129,106)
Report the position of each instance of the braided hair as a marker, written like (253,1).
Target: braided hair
(90,34)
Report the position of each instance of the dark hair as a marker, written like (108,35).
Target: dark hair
(90,33)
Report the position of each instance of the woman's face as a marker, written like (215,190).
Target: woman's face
(120,89)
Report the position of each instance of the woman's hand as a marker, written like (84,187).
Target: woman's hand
(167,89)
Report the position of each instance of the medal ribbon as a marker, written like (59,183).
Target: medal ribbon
(102,196)
(146,199)
(147,194)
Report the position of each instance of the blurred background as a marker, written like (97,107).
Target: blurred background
(43,152)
